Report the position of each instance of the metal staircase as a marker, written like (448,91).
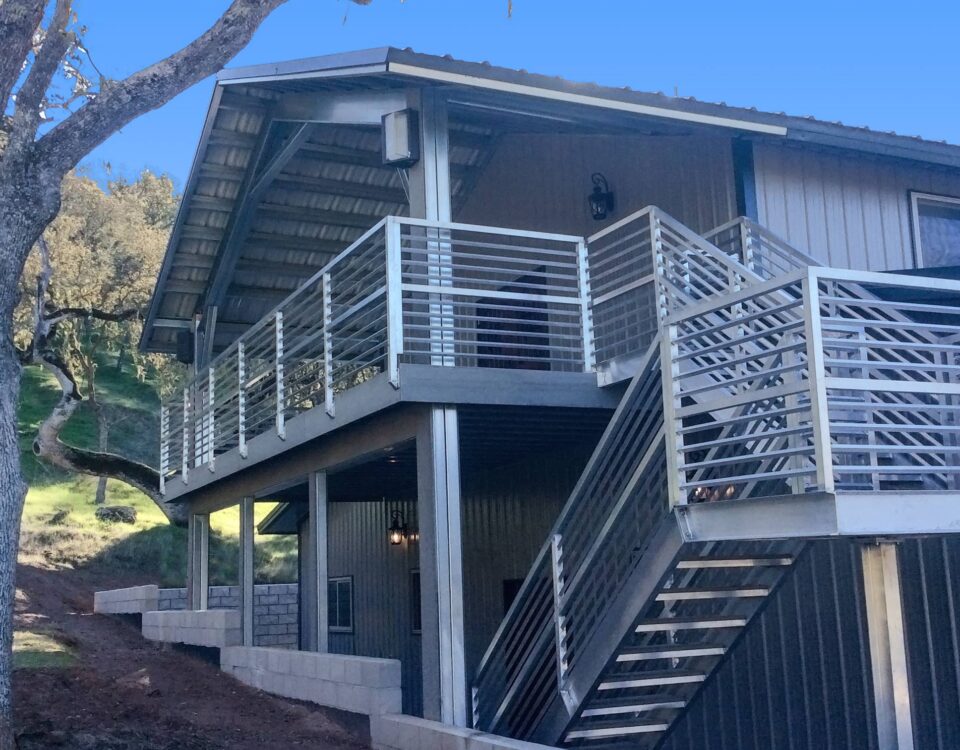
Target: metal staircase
(752,375)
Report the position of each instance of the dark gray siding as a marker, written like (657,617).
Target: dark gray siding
(930,572)
(382,616)
(799,677)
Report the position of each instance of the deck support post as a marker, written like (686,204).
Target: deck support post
(246,569)
(198,560)
(888,650)
(313,569)
(441,567)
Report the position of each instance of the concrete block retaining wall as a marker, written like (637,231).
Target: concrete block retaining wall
(353,683)
(401,732)
(275,610)
(134,600)
(214,628)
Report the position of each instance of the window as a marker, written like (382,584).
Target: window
(415,614)
(340,604)
(936,229)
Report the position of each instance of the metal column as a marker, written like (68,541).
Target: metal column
(198,559)
(888,649)
(246,569)
(313,595)
(430,199)
(441,566)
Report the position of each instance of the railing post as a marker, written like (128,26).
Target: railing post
(211,417)
(673,440)
(559,620)
(816,374)
(659,265)
(394,300)
(241,400)
(187,431)
(327,346)
(586,315)
(281,426)
(746,245)
(164,447)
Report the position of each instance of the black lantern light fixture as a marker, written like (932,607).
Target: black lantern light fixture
(398,530)
(601,199)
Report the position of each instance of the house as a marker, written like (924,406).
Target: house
(617,419)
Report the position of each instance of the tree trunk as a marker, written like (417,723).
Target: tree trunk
(29,200)
(103,435)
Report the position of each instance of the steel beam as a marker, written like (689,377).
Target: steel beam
(246,569)
(198,560)
(313,594)
(888,648)
(441,566)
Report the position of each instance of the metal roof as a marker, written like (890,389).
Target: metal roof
(335,186)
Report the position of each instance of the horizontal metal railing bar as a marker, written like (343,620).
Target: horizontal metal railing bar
(893,470)
(630,218)
(749,457)
(832,342)
(442,249)
(568,308)
(500,332)
(765,414)
(897,305)
(893,386)
(893,448)
(503,262)
(905,368)
(730,298)
(741,478)
(624,289)
(479,229)
(861,427)
(739,341)
(451,291)
(874,278)
(748,378)
(768,394)
(746,437)
(906,325)
(516,287)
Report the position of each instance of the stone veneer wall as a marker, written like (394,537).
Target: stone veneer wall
(275,610)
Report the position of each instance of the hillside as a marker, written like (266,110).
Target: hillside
(59,525)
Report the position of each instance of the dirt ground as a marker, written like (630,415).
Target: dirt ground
(124,692)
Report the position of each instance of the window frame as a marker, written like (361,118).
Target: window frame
(916,197)
(340,628)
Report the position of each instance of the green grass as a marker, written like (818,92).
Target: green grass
(40,649)
(59,525)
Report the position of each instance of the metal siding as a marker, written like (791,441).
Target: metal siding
(798,679)
(358,547)
(542,181)
(847,211)
(930,571)
(507,514)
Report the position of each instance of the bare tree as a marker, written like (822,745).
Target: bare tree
(44,134)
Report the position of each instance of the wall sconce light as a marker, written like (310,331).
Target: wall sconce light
(601,199)
(398,530)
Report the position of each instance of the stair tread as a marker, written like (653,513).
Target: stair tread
(736,561)
(669,623)
(617,730)
(635,704)
(714,592)
(672,650)
(652,678)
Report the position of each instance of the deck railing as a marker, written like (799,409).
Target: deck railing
(822,379)
(412,291)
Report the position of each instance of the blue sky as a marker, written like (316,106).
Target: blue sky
(889,66)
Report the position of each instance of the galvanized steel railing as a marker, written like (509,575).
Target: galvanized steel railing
(406,291)
(818,382)
(586,558)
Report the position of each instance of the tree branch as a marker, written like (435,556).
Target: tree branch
(55,316)
(29,110)
(120,102)
(19,20)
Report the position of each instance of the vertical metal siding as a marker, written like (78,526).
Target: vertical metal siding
(799,678)
(542,181)
(382,616)
(507,514)
(930,572)
(847,211)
